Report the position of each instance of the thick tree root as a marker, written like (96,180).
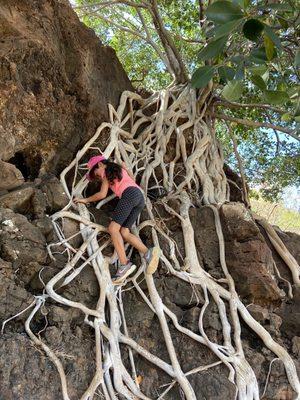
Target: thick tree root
(190,175)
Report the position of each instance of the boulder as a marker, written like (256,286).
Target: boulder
(20,241)
(10,176)
(259,313)
(296,346)
(248,257)
(13,298)
(54,193)
(19,201)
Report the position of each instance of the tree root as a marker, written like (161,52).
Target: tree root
(144,140)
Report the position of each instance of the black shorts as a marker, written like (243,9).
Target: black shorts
(129,207)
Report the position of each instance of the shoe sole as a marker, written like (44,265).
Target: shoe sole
(152,267)
(122,278)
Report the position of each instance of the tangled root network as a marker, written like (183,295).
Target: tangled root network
(168,142)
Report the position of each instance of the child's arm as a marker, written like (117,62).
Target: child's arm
(97,196)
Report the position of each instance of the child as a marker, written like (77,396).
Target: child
(131,202)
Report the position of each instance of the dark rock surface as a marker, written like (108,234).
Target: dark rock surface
(56,79)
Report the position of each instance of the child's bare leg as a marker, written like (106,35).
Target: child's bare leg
(133,240)
(117,239)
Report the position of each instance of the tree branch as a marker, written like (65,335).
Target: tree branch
(254,124)
(230,104)
(201,13)
(175,60)
(113,2)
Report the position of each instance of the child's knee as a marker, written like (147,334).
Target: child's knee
(125,232)
(113,227)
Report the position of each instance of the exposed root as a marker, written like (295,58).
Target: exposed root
(281,249)
(190,175)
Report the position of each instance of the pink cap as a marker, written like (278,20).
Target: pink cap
(91,163)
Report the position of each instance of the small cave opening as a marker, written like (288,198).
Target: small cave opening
(28,162)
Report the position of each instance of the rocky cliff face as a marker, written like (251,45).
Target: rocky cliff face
(56,80)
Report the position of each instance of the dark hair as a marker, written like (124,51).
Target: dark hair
(112,171)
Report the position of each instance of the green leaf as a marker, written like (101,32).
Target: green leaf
(275,39)
(226,74)
(259,55)
(276,96)
(225,29)
(277,6)
(202,76)
(259,82)
(233,90)
(283,22)
(242,3)
(252,29)
(240,72)
(221,12)
(297,58)
(286,117)
(258,70)
(269,46)
(213,49)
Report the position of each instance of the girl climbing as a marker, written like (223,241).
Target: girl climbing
(130,204)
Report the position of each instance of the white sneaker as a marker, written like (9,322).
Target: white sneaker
(122,272)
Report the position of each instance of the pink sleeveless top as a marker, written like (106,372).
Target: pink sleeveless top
(118,187)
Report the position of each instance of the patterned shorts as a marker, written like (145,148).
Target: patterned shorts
(129,207)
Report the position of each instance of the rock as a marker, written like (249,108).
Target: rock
(70,228)
(63,315)
(259,313)
(278,387)
(39,204)
(206,239)
(191,319)
(20,241)
(13,298)
(181,293)
(7,145)
(238,222)
(6,269)
(45,225)
(248,257)
(28,272)
(19,201)
(25,372)
(290,314)
(275,321)
(212,386)
(10,176)
(53,335)
(211,318)
(137,312)
(296,345)
(55,84)
(55,194)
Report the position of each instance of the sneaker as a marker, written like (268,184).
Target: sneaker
(123,272)
(152,259)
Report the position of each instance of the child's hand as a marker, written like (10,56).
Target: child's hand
(78,200)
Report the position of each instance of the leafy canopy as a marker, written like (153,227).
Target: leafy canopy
(249,48)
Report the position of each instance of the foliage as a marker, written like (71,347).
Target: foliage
(277,214)
(248,47)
